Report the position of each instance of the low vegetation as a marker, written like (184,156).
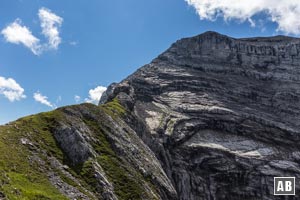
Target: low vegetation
(21,158)
(27,144)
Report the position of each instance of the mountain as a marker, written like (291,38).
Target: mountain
(213,117)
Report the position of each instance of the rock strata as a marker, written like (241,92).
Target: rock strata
(221,114)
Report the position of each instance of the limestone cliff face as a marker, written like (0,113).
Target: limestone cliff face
(221,114)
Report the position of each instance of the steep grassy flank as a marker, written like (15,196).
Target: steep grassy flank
(114,108)
(27,144)
(21,165)
(127,183)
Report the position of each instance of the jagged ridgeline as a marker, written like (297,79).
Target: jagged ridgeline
(212,118)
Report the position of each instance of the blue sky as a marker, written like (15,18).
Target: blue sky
(99,42)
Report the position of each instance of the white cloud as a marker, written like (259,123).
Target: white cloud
(11,89)
(59,99)
(95,94)
(73,43)
(50,24)
(18,34)
(42,99)
(283,12)
(77,98)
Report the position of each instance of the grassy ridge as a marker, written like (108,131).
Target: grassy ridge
(22,176)
(27,144)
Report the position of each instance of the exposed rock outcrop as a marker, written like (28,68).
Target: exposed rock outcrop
(221,114)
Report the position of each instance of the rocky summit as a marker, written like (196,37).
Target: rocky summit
(211,118)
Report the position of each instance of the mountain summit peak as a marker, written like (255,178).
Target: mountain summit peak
(214,107)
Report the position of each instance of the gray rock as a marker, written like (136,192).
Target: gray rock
(109,91)
(221,114)
(72,141)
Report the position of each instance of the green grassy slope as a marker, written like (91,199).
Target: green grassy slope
(22,176)
(27,145)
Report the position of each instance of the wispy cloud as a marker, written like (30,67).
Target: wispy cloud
(77,98)
(73,43)
(283,12)
(16,33)
(58,99)
(11,89)
(95,94)
(42,99)
(50,24)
